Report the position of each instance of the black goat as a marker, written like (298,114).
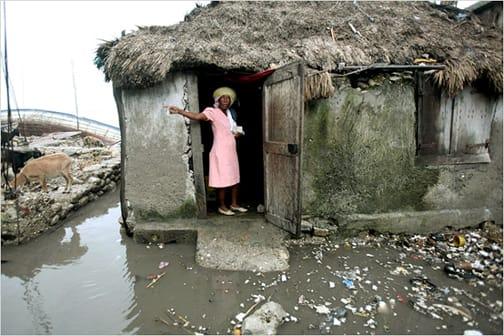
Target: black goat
(6,136)
(18,158)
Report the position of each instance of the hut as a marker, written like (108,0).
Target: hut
(365,114)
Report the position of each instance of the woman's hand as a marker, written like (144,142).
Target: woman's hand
(191,115)
(173,109)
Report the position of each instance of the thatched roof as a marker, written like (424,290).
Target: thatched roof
(251,36)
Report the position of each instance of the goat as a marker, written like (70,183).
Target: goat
(6,136)
(18,158)
(47,166)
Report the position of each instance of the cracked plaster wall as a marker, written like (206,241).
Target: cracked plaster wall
(159,180)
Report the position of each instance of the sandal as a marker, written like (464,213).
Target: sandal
(239,209)
(226,212)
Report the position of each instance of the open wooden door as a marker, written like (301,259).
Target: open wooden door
(283,105)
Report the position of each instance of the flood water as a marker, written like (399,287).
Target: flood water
(87,277)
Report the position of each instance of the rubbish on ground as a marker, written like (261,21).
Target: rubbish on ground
(290,318)
(453,310)
(339,312)
(265,320)
(260,209)
(321,309)
(348,283)
(163,321)
(163,264)
(423,283)
(459,240)
(240,317)
(156,279)
(258,297)
(471,332)
(370,323)
(399,270)
(454,272)
(382,308)
(171,313)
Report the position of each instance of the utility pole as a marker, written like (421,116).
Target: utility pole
(75,95)
(9,121)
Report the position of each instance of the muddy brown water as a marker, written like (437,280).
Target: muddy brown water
(87,277)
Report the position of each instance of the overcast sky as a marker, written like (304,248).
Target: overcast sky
(45,37)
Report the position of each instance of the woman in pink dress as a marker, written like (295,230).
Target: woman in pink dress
(224,172)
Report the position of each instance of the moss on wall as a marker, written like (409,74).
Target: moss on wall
(359,150)
(186,210)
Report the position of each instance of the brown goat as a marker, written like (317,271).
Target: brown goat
(47,166)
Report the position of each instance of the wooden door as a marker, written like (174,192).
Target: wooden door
(283,105)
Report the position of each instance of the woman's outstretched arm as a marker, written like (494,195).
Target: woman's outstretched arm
(191,115)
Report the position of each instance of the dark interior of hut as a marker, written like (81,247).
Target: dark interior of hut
(250,146)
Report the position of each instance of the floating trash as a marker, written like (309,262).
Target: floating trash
(348,283)
(163,264)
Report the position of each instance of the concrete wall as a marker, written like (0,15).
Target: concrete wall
(158,172)
(473,185)
(359,157)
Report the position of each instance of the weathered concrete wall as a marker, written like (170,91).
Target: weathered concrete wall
(359,152)
(158,174)
(359,158)
(473,185)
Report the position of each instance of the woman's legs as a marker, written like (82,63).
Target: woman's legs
(234,200)
(234,196)
(221,195)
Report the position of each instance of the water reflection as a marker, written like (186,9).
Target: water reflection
(199,295)
(51,251)
(88,277)
(72,280)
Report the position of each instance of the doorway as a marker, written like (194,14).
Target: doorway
(270,108)
(248,106)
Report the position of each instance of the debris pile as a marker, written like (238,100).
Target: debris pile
(265,320)
(412,274)
(369,284)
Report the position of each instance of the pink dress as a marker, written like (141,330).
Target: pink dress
(224,168)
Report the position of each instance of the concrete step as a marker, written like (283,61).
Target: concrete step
(240,243)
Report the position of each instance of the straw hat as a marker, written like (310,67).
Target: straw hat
(225,91)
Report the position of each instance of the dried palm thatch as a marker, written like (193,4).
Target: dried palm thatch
(250,36)
(318,85)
